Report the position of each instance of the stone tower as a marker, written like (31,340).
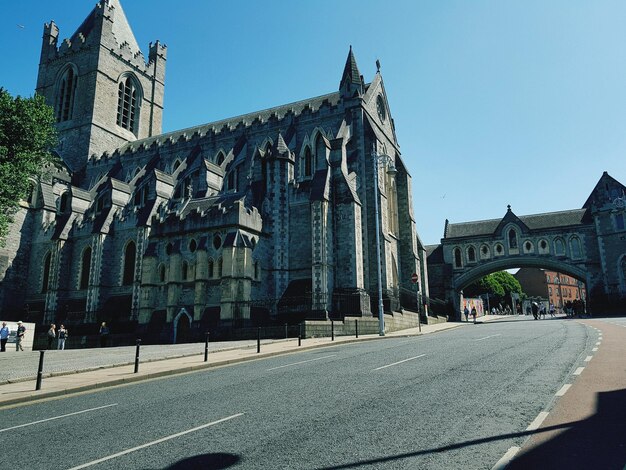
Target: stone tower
(103,92)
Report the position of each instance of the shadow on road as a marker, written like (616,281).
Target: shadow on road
(596,442)
(216,461)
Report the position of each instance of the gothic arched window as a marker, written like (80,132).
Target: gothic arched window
(46,273)
(308,162)
(559,247)
(184,271)
(162,273)
(85,267)
(458,262)
(129,264)
(576,248)
(471,254)
(128,100)
(63,203)
(66,94)
(210,268)
(220,262)
(512,239)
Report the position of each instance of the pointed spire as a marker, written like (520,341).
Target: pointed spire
(120,27)
(281,146)
(351,82)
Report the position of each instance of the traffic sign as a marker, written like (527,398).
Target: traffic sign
(414,278)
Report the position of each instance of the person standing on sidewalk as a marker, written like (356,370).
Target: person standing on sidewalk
(466,313)
(474,314)
(21,332)
(104,334)
(62,338)
(4,336)
(52,335)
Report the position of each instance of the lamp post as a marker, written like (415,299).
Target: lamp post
(380,159)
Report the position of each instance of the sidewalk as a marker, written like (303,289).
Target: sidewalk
(161,364)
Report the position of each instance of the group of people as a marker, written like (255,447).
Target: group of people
(466,312)
(19,336)
(59,335)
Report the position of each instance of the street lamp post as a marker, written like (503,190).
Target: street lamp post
(380,159)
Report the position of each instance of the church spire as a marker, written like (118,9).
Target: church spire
(351,82)
(120,28)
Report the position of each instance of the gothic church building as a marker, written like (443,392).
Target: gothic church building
(264,217)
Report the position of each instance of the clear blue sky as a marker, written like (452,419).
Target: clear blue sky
(495,102)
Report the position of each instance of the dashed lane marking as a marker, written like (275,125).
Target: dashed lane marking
(594,349)
(58,417)
(400,362)
(563,390)
(598,343)
(588,358)
(158,441)
(579,371)
(301,362)
(506,459)
(487,337)
(537,421)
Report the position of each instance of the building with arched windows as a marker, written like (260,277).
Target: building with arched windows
(585,249)
(262,217)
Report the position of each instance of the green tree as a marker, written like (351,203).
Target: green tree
(499,285)
(27,136)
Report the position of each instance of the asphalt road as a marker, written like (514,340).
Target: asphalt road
(456,399)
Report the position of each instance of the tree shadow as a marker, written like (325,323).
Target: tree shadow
(217,461)
(596,442)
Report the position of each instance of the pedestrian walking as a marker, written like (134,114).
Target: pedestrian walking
(21,332)
(466,313)
(474,314)
(104,335)
(62,338)
(52,335)
(4,336)
(535,309)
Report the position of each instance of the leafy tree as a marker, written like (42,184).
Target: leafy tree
(27,135)
(500,284)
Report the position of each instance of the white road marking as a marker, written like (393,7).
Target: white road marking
(301,362)
(563,390)
(579,371)
(594,349)
(588,358)
(400,362)
(158,441)
(537,421)
(598,343)
(58,417)
(486,337)
(506,459)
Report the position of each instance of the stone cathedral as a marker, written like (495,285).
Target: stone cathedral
(245,221)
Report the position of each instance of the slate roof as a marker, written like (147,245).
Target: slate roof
(533,222)
(245,119)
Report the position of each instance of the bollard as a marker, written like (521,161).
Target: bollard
(137,356)
(332,330)
(286,332)
(39,371)
(258,340)
(299,339)
(356,328)
(206,348)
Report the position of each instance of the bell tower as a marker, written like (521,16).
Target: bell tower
(103,91)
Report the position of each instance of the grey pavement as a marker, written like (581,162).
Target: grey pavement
(84,369)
